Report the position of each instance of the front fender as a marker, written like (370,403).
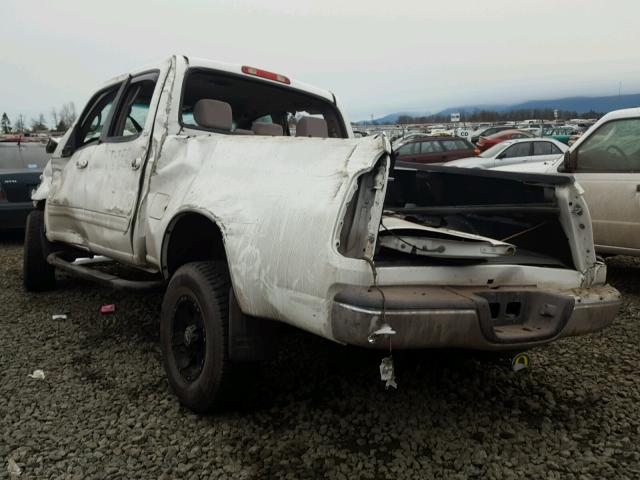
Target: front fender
(43,189)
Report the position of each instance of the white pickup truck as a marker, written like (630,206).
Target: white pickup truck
(244,194)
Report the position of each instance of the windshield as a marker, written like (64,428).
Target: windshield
(493,151)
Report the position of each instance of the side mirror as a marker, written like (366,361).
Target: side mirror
(51,146)
(570,161)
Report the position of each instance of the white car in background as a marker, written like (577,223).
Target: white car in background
(605,161)
(513,152)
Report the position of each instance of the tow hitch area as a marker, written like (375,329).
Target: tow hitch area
(512,316)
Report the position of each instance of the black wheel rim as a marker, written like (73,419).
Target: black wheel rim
(188,340)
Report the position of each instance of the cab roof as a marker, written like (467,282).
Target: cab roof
(236,69)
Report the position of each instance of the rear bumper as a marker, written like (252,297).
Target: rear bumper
(13,215)
(474,318)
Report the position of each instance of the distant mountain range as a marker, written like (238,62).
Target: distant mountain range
(573,104)
(393,117)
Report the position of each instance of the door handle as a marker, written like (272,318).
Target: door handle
(135,163)
(81,163)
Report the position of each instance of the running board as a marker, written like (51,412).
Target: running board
(103,278)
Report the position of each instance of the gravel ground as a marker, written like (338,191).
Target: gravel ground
(318,411)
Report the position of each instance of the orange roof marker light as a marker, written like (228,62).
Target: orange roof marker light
(276,77)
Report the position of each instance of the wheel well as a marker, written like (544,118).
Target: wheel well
(191,237)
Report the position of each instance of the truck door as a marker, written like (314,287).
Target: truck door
(608,168)
(115,168)
(65,205)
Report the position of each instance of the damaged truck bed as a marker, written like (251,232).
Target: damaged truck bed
(245,195)
(503,273)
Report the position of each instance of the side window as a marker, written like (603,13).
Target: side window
(614,147)
(517,150)
(555,150)
(449,144)
(95,119)
(133,110)
(543,148)
(10,156)
(406,149)
(430,147)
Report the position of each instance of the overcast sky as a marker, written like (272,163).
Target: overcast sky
(378,57)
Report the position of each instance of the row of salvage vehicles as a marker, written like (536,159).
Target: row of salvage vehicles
(245,196)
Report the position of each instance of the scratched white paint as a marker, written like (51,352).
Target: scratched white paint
(279,202)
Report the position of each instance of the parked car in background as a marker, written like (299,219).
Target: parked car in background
(21,164)
(513,152)
(535,131)
(442,132)
(434,149)
(574,138)
(488,131)
(407,136)
(605,161)
(562,134)
(487,142)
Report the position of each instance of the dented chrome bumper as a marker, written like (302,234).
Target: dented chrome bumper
(475,318)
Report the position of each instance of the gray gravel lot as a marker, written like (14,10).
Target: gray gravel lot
(318,411)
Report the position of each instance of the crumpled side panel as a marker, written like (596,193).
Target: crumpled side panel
(278,201)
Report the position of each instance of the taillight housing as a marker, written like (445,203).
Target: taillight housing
(358,230)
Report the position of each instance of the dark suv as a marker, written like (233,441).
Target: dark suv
(21,164)
(434,149)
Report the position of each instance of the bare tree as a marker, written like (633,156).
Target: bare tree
(65,116)
(68,113)
(54,117)
(38,124)
(20,124)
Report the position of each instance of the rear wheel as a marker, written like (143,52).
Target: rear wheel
(37,274)
(194,330)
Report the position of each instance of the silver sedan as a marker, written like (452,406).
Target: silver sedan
(512,152)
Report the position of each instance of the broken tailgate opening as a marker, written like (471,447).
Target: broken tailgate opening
(469,259)
(440,214)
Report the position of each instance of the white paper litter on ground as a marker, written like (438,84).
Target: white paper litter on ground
(13,468)
(387,374)
(37,374)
